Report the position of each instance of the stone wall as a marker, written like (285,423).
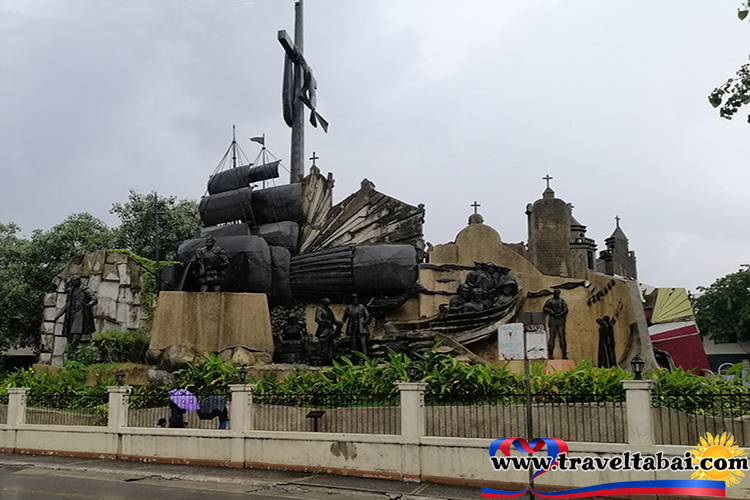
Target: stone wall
(115,278)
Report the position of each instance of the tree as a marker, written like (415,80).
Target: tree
(20,308)
(723,309)
(735,93)
(178,221)
(50,251)
(27,267)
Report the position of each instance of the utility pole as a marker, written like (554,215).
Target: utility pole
(154,213)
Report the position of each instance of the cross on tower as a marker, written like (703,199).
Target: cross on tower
(298,89)
(617,220)
(547,178)
(475,205)
(313,158)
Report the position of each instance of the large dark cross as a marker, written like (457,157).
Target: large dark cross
(475,205)
(298,90)
(547,178)
(617,220)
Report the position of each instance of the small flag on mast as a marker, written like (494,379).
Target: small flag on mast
(259,140)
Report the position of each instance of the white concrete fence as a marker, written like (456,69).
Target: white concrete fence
(411,455)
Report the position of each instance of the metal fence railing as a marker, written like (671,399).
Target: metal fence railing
(67,409)
(571,417)
(683,418)
(3,408)
(341,413)
(148,409)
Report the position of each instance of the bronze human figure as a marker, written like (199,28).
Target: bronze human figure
(210,263)
(557,311)
(328,327)
(480,277)
(79,318)
(357,320)
(487,286)
(606,342)
(458,301)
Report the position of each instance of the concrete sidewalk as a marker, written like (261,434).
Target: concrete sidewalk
(133,471)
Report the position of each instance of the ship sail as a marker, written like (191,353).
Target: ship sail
(242,176)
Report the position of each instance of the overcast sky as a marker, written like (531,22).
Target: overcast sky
(437,102)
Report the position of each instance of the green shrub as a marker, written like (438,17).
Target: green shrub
(121,347)
(212,374)
(101,413)
(83,355)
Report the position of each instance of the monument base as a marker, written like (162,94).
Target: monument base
(554,365)
(212,322)
(550,365)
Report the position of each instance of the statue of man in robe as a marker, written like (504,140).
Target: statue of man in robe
(357,319)
(606,342)
(79,318)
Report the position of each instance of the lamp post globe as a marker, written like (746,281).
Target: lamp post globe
(412,371)
(637,365)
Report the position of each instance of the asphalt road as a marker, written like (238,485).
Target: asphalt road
(46,484)
(24,477)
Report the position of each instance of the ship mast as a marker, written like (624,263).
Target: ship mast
(234,147)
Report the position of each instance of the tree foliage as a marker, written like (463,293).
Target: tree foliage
(178,221)
(735,93)
(723,309)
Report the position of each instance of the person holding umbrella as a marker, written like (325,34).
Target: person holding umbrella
(180,401)
(212,407)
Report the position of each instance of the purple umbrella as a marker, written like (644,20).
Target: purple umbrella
(184,399)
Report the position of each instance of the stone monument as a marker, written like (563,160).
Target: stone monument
(115,280)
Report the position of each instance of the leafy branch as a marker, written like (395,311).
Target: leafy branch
(735,93)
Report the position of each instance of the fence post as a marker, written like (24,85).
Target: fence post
(241,416)
(241,411)
(17,406)
(412,409)
(118,406)
(640,415)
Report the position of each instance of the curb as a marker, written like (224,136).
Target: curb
(211,479)
(145,474)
